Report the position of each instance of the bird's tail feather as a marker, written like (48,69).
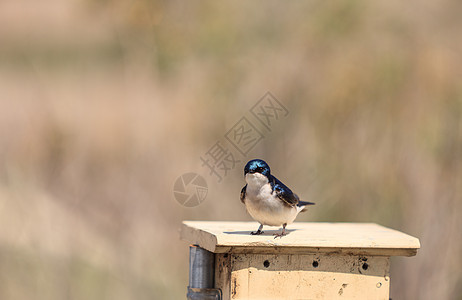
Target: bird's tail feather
(303,204)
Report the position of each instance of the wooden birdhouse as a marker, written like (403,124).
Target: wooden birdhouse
(314,261)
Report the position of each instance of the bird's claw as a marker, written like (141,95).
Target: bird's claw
(258,232)
(279,235)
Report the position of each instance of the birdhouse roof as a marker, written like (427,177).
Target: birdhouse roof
(302,238)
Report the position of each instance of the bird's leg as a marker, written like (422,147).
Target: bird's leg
(258,231)
(283,233)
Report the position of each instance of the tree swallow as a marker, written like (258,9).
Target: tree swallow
(267,199)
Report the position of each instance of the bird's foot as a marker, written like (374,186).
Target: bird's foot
(280,235)
(258,232)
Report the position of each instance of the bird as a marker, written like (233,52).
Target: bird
(268,200)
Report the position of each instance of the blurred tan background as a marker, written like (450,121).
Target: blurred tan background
(104,103)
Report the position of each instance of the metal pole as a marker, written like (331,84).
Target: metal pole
(201,264)
(201,274)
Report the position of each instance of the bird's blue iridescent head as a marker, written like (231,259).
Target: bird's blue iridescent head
(257,166)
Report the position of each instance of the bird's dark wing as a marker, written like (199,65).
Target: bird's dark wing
(283,192)
(243,193)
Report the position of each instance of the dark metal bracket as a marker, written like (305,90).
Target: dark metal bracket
(204,294)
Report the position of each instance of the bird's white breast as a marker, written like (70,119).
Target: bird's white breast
(263,205)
